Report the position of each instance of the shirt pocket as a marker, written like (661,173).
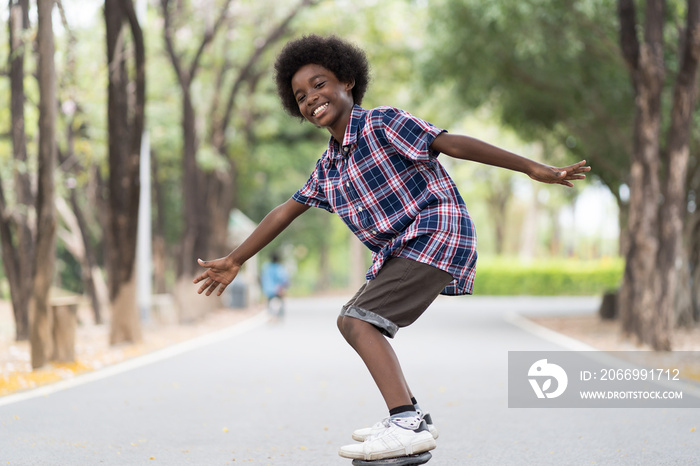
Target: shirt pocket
(355,210)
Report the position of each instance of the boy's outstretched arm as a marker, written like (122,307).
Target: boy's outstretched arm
(221,272)
(468,148)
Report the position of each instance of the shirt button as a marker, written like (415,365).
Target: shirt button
(346,149)
(374,232)
(347,184)
(360,209)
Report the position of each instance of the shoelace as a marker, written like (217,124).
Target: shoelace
(379,427)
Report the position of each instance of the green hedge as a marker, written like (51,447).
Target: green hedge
(549,277)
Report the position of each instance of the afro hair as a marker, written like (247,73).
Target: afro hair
(345,60)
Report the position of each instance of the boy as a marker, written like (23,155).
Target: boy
(380,174)
(275,281)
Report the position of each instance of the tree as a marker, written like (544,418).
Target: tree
(16,230)
(74,230)
(222,185)
(126,116)
(646,298)
(208,193)
(44,258)
(195,232)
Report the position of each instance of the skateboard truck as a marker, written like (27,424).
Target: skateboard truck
(411,460)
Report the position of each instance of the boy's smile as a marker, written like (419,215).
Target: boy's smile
(323,99)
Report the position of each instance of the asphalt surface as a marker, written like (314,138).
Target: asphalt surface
(292,392)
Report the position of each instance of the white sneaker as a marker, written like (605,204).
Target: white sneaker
(362,434)
(390,441)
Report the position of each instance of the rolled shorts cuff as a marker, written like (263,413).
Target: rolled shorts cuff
(384,325)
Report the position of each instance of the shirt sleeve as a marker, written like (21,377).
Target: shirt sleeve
(410,135)
(311,193)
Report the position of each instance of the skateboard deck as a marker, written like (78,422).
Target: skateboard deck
(411,460)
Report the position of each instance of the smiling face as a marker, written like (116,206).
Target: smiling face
(323,99)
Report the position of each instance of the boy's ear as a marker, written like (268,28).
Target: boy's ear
(349,85)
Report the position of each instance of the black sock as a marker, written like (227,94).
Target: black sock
(401,409)
(413,400)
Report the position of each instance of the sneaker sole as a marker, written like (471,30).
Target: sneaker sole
(410,460)
(423,446)
(361,438)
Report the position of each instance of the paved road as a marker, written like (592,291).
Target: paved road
(291,393)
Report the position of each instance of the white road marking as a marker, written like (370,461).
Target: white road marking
(139,361)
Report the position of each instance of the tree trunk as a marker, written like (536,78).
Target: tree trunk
(125,326)
(126,104)
(220,202)
(694,267)
(76,238)
(646,298)
(497,200)
(637,297)
(192,191)
(16,230)
(39,317)
(94,283)
(160,256)
(673,213)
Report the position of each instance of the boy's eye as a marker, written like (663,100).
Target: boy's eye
(301,99)
(320,85)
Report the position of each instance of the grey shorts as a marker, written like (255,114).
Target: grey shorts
(402,290)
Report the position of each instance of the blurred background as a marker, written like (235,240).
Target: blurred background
(160,118)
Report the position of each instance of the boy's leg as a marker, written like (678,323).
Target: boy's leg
(399,294)
(380,359)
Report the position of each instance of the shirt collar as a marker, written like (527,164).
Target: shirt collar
(337,153)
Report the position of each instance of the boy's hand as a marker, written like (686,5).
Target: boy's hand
(563,175)
(219,274)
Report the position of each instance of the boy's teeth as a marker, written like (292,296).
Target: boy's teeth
(319,109)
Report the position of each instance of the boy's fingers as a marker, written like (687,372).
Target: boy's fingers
(213,288)
(205,285)
(201,277)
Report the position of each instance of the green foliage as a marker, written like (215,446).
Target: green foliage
(553,277)
(543,67)
(551,69)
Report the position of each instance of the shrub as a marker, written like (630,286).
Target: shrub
(550,277)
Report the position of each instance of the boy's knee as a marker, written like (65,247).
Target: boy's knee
(341,324)
(351,328)
(347,326)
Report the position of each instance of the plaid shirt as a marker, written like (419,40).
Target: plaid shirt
(387,185)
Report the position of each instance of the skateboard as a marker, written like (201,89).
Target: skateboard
(411,460)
